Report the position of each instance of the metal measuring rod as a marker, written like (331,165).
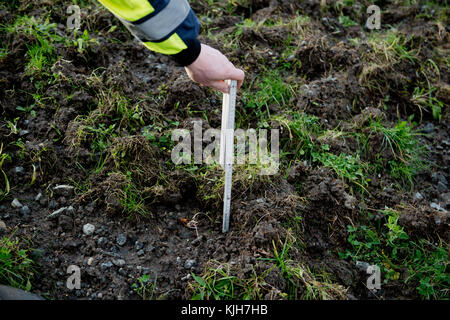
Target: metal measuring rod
(227,148)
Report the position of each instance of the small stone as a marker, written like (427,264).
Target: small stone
(441,187)
(43,201)
(119,262)
(140,253)
(436,206)
(362,265)
(121,239)
(429,128)
(187,277)
(418,196)
(64,190)
(3,228)
(106,265)
(38,197)
(138,245)
(90,261)
(23,132)
(25,210)
(102,241)
(19,170)
(53,204)
(178,260)
(16,204)
(56,213)
(189,263)
(88,229)
(70,210)
(102,230)
(445,199)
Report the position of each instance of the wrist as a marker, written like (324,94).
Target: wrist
(188,55)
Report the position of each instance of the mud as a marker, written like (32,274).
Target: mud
(183,224)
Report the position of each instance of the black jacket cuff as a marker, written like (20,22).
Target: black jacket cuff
(189,55)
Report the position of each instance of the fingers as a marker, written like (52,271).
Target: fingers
(236,74)
(219,85)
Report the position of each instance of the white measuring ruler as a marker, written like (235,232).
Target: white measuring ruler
(227,148)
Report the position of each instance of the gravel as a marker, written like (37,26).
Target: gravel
(88,229)
(429,128)
(138,245)
(445,199)
(3,228)
(102,241)
(441,187)
(19,170)
(121,239)
(16,204)
(106,265)
(418,196)
(64,190)
(436,206)
(119,262)
(189,263)
(38,197)
(57,213)
(25,210)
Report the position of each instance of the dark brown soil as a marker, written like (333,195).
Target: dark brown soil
(181,225)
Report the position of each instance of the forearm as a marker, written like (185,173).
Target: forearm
(166,26)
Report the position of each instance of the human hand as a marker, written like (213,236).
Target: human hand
(212,68)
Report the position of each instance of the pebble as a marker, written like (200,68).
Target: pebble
(56,213)
(429,128)
(19,170)
(140,253)
(88,229)
(102,230)
(63,190)
(436,206)
(121,239)
(138,245)
(445,198)
(90,261)
(189,263)
(25,210)
(106,265)
(53,204)
(38,197)
(418,196)
(16,204)
(119,262)
(23,132)
(362,265)
(3,228)
(187,277)
(441,187)
(102,241)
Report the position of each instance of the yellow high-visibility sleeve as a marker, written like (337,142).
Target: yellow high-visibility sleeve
(130,10)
